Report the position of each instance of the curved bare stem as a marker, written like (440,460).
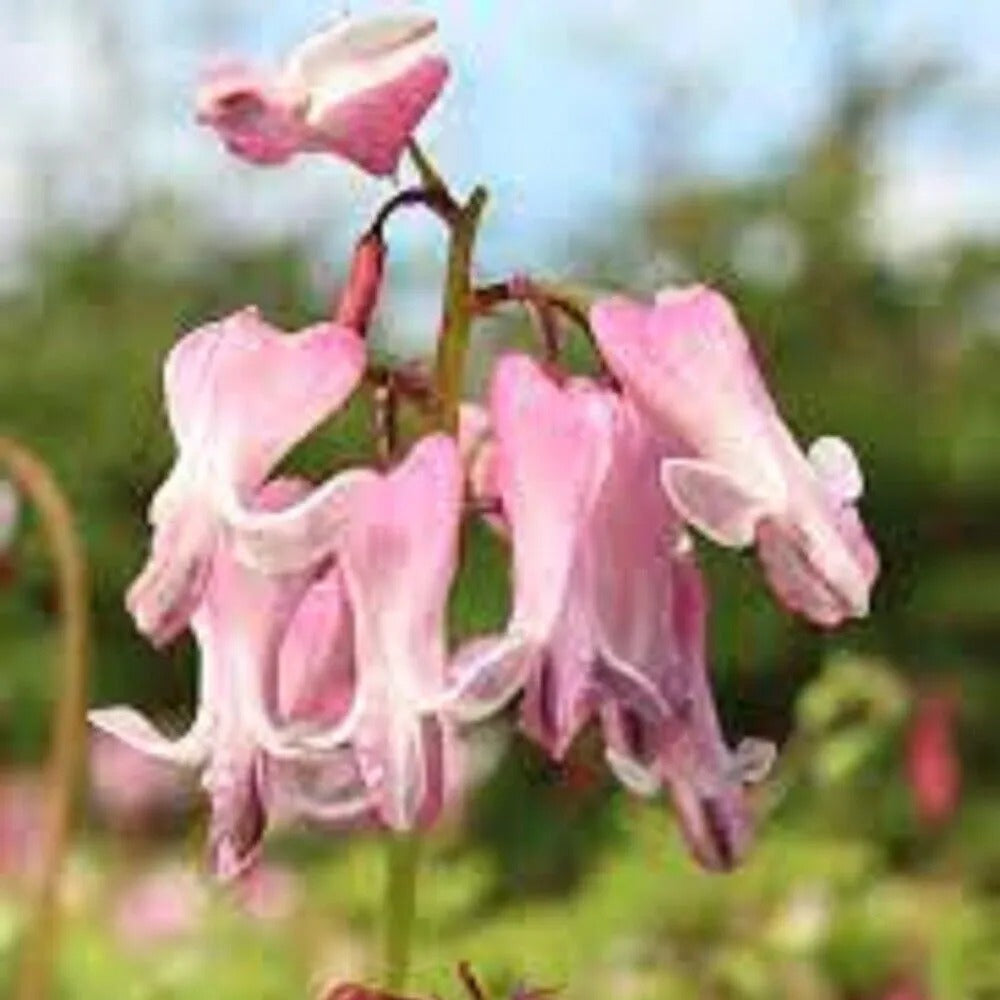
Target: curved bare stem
(37,483)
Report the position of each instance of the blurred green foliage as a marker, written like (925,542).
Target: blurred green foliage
(554,877)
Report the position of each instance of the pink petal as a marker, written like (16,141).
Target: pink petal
(257,118)
(358,89)
(240,394)
(834,462)
(137,732)
(553,448)
(398,557)
(736,472)
(709,499)
(372,127)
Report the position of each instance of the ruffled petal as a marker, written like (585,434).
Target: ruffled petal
(711,501)
(136,731)
(737,473)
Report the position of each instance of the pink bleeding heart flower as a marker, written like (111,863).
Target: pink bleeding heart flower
(736,473)
(239,394)
(548,453)
(22,823)
(132,791)
(240,625)
(398,555)
(933,766)
(630,645)
(627,641)
(357,89)
(375,629)
(158,907)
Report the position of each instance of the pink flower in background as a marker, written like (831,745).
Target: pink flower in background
(240,394)
(906,989)
(131,790)
(268,893)
(358,90)
(734,470)
(933,766)
(22,823)
(158,907)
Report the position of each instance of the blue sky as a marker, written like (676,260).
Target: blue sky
(565,108)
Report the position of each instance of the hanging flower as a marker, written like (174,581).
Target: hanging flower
(396,559)
(736,473)
(240,624)
(357,89)
(933,767)
(240,394)
(626,641)
(548,455)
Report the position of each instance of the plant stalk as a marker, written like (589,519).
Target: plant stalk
(400,907)
(37,483)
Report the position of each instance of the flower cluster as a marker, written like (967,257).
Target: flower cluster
(328,688)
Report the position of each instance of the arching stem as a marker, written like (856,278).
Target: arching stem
(36,482)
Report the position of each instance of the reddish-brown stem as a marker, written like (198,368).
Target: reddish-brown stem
(384,417)
(470,982)
(434,199)
(523,289)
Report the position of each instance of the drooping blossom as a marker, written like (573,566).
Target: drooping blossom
(240,624)
(549,451)
(357,89)
(933,766)
(397,555)
(622,638)
(269,893)
(239,394)
(158,907)
(735,472)
(22,823)
(130,790)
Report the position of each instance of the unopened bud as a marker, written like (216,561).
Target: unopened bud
(360,294)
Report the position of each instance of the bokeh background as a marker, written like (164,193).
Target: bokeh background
(832,166)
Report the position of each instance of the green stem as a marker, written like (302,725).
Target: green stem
(429,176)
(35,480)
(400,907)
(459,310)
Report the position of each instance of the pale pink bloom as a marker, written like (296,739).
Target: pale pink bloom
(130,789)
(357,89)
(630,646)
(548,454)
(22,823)
(626,644)
(239,394)
(240,624)
(933,765)
(398,554)
(158,907)
(736,473)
